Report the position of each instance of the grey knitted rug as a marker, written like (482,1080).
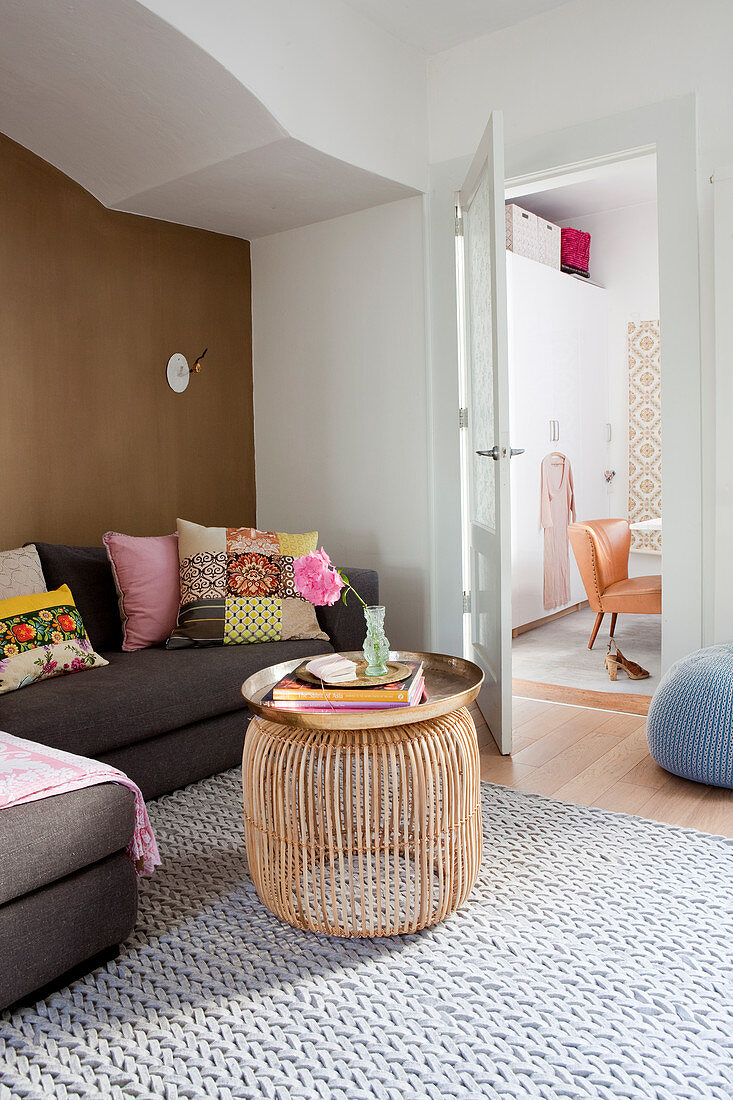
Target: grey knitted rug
(593,960)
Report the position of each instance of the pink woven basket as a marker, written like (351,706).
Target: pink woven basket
(575,249)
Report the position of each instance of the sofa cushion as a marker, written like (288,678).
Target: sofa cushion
(146,577)
(88,573)
(20,573)
(237,587)
(172,760)
(141,695)
(45,840)
(42,636)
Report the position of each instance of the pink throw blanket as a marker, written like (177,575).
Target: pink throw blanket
(29,771)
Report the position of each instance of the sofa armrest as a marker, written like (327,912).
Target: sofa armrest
(345,625)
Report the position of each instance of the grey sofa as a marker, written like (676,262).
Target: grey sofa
(68,890)
(166,718)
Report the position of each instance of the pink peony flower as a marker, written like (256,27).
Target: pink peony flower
(316,579)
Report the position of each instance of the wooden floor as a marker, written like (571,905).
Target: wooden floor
(598,758)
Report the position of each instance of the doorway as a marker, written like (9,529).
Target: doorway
(669,128)
(585,403)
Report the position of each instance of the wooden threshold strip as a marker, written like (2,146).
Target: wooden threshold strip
(582,697)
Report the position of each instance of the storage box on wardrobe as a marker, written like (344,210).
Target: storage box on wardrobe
(532,237)
(521,231)
(548,243)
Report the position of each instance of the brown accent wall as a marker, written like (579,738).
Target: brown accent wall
(92,304)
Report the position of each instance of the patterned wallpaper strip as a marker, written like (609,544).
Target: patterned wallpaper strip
(645,431)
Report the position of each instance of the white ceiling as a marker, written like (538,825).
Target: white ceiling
(435,25)
(278,186)
(594,191)
(150,123)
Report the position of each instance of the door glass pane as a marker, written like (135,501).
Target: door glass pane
(485,600)
(477,230)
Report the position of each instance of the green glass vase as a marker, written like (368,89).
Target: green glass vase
(376,646)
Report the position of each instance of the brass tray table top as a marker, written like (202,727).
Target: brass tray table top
(450,683)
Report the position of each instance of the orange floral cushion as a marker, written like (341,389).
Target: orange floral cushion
(42,635)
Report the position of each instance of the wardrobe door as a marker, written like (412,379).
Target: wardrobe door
(558,402)
(589,305)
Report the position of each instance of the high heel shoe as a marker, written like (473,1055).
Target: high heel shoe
(615,661)
(612,665)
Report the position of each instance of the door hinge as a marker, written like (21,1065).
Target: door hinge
(459,224)
(463,418)
(466,602)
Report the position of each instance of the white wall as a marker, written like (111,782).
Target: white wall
(633,52)
(331,77)
(624,261)
(724,395)
(340,397)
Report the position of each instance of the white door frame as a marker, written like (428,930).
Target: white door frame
(671,128)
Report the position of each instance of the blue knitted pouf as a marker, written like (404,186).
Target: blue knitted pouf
(690,724)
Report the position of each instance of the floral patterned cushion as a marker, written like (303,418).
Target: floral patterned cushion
(237,587)
(42,636)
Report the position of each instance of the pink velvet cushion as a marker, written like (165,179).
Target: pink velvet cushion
(146,572)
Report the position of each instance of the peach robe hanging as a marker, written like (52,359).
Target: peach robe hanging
(556,508)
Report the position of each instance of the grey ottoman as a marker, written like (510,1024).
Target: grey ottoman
(67,887)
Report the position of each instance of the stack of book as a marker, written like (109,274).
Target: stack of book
(290,693)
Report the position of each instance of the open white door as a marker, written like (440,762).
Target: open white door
(486,452)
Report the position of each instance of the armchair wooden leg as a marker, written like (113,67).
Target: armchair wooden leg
(596,628)
(614,616)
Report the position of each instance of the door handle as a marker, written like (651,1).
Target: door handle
(496,452)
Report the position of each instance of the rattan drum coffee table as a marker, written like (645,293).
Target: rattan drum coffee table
(365,823)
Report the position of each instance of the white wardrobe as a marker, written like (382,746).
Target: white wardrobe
(558,374)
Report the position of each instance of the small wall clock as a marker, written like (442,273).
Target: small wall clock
(178,372)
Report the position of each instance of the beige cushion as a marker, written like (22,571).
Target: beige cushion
(20,573)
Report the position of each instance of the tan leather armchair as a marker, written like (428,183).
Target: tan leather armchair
(601,548)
